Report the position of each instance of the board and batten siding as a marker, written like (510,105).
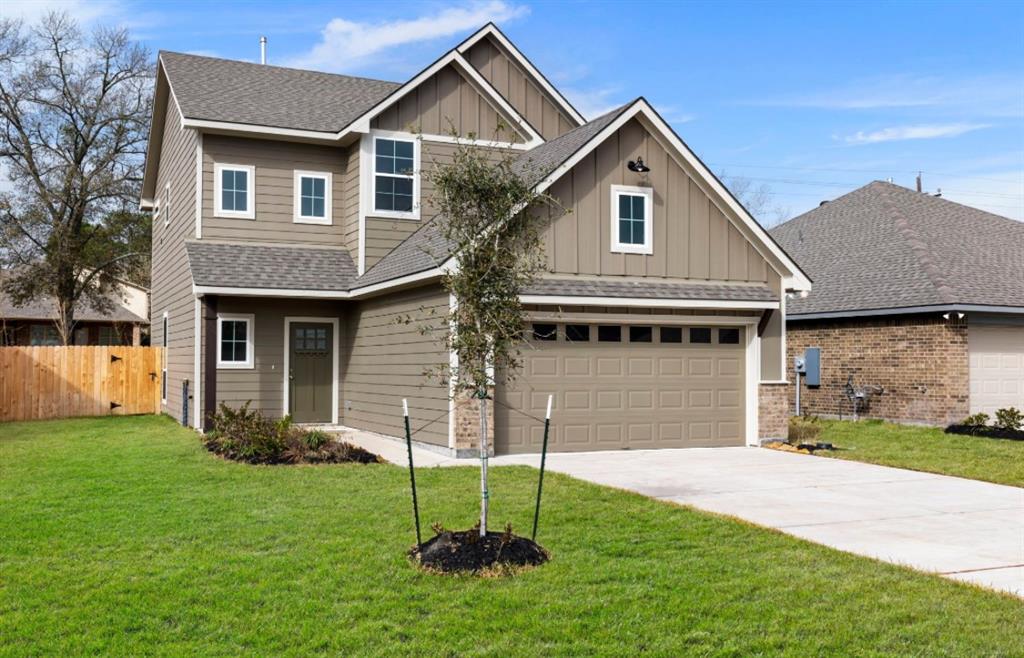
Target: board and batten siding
(386,360)
(693,239)
(275,164)
(172,281)
(443,102)
(522,93)
(263,384)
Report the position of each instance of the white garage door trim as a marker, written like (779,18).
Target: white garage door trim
(996,358)
(753,348)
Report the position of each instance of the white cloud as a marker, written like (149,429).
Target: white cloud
(344,43)
(592,103)
(989,95)
(922,131)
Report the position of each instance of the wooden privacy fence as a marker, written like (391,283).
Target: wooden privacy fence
(56,382)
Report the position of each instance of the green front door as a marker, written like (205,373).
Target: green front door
(311,372)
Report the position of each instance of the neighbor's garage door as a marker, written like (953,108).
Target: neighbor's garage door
(622,386)
(997,367)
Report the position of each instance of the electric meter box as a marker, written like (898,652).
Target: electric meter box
(812,366)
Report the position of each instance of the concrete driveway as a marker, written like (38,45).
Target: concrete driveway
(962,529)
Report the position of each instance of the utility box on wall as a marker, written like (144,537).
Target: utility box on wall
(812,366)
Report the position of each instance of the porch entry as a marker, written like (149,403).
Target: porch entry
(310,372)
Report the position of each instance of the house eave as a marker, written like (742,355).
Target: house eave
(907,310)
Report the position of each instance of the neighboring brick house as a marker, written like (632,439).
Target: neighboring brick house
(293,236)
(914,293)
(34,323)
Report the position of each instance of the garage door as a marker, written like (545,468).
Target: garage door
(997,367)
(625,386)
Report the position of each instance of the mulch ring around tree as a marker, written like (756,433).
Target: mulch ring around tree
(465,551)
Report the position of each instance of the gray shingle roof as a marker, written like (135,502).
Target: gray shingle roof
(45,309)
(427,248)
(215,89)
(887,247)
(280,267)
(650,290)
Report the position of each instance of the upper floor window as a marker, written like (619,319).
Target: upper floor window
(312,197)
(395,181)
(234,339)
(234,191)
(631,227)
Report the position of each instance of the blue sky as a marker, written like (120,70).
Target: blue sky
(810,99)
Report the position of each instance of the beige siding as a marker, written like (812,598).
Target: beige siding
(693,238)
(275,163)
(383,235)
(772,367)
(387,360)
(350,201)
(445,102)
(172,284)
(263,385)
(519,89)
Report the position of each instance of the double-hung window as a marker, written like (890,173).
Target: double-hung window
(234,191)
(632,212)
(312,197)
(234,340)
(395,178)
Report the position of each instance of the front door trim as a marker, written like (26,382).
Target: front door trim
(288,320)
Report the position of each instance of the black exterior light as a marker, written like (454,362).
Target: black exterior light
(638,166)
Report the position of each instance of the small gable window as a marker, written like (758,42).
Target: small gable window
(631,227)
(312,197)
(395,180)
(234,193)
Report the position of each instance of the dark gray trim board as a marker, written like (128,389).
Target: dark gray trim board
(908,310)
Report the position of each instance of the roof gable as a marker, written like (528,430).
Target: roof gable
(884,246)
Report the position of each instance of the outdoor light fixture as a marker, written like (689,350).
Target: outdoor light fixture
(638,166)
(945,316)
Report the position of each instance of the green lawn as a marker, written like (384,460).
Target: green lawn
(927,449)
(123,536)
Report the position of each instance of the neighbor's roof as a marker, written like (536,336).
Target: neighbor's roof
(278,267)
(884,246)
(213,89)
(46,309)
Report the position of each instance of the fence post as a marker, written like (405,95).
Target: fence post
(412,473)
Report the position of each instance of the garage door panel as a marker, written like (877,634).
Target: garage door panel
(615,395)
(996,367)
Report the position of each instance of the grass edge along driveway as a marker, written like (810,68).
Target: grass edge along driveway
(123,536)
(928,449)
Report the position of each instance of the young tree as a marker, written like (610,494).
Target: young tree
(491,217)
(756,198)
(74,113)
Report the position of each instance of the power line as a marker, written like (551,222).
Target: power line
(858,171)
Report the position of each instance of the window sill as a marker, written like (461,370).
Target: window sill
(321,221)
(387,214)
(640,250)
(224,214)
(235,366)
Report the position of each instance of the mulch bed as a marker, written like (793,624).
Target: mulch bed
(986,431)
(466,551)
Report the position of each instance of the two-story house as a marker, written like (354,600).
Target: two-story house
(293,231)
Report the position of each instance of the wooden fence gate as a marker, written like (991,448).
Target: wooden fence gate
(57,382)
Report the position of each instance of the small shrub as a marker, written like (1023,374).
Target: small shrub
(1009,419)
(976,420)
(246,435)
(804,429)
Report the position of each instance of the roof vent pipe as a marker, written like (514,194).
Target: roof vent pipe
(919,181)
(263,50)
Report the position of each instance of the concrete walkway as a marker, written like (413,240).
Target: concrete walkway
(962,529)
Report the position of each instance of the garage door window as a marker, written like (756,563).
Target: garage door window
(545,331)
(700,335)
(729,336)
(671,334)
(609,333)
(641,334)
(577,333)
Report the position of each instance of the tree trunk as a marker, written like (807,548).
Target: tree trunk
(484,494)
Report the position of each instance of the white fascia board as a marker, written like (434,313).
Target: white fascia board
(491,30)
(425,275)
(486,87)
(228,126)
(645,302)
(270,292)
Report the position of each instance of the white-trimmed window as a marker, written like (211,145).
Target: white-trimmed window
(164,205)
(44,335)
(234,340)
(163,365)
(234,191)
(312,197)
(632,212)
(396,185)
